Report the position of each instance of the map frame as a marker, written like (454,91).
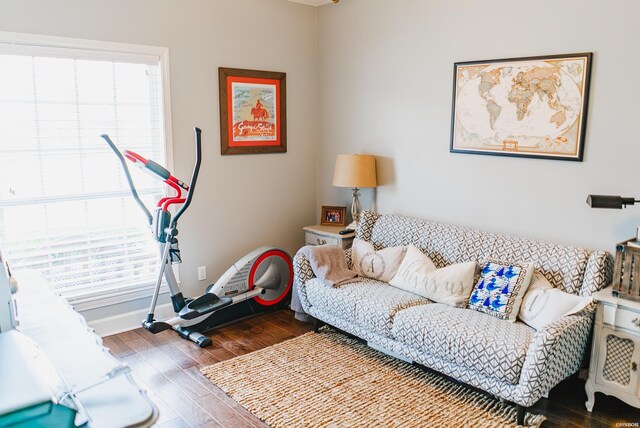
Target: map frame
(570,145)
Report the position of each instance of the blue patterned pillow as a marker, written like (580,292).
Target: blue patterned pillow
(501,287)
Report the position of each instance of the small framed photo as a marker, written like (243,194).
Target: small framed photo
(333,216)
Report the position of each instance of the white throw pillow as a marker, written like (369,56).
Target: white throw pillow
(542,304)
(415,261)
(450,285)
(381,265)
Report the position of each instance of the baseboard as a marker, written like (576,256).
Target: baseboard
(125,322)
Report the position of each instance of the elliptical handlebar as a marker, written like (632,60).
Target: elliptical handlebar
(132,186)
(160,172)
(194,178)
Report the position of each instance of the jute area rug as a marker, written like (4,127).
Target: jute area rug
(329,380)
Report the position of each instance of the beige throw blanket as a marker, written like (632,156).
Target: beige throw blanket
(328,264)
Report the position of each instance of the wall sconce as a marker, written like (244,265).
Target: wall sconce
(606,201)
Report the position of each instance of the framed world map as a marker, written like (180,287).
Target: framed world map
(529,107)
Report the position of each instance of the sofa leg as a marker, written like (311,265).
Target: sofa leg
(316,324)
(521,411)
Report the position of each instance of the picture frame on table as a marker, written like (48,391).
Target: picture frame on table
(533,107)
(333,216)
(253,111)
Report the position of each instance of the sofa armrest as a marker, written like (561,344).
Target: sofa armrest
(302,273)
(347,254)
(555,353)
(598,273)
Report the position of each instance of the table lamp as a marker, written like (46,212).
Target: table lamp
(355,171)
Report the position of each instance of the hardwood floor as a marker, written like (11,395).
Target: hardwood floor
(168,367)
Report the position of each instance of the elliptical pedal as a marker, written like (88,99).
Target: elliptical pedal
(203,305)
(155,327)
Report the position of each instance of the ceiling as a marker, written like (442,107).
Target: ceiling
(312,2)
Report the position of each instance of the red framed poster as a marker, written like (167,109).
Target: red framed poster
(253,111)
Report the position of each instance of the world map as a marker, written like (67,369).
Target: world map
(520,106)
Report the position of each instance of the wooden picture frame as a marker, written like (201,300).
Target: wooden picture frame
(532,107)
(253,111)
(333,216)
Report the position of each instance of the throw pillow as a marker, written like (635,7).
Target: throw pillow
(501,287)
(381,265)
(542,304)
(415,261)
(450,285)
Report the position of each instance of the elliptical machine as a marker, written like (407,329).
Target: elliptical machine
(259,281)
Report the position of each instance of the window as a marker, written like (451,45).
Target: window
(65,208)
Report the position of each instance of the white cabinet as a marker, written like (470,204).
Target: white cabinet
(615,354)
(327,235)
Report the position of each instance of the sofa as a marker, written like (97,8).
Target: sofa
(509,360)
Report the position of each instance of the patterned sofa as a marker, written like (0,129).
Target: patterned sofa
(509,360)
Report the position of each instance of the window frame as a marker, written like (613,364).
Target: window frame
(64,47)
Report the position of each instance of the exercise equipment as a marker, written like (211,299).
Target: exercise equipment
(259,281)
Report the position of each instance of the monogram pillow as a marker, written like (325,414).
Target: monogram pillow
(501,287)
(381,265)
(450,285)
(542,304)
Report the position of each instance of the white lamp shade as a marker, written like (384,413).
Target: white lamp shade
(355,171)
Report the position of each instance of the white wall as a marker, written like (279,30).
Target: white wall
(386,79)
(372,76)
(241,202)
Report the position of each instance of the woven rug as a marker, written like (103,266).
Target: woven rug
(330,380)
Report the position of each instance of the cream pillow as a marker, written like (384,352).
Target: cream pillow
(542,304)
(450,285)
(381,265)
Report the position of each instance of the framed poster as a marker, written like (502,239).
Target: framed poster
(532,107)
(253,111)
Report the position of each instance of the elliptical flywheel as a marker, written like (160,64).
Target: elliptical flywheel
(273,271)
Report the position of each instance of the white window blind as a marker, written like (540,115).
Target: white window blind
(65,208)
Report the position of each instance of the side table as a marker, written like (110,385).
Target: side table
(321,235)
(615,353)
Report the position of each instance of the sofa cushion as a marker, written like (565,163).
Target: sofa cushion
(562,265)
(369,303)
(471,339)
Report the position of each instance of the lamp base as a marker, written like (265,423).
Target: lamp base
(355,206)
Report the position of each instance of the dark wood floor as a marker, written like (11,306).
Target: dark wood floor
(168,367)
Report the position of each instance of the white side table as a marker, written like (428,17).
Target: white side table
(321,235)
(615,353)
